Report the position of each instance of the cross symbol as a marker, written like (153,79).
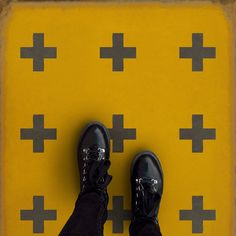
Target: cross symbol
(38,52)
(119,134)
(38,133)
(118,52)
(197,134)
(197,215)
(118,214)
(38,215)
(197,52)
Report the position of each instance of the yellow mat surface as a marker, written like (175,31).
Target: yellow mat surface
(159,76)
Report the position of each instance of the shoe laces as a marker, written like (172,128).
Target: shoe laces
(147,196)
(94,171)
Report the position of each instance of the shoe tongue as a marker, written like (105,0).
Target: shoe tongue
(151,201)
(150,187)
(150,195)
(98,175)
(93,153)
(93,148)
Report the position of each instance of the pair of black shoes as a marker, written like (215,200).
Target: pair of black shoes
(90,211)
(146,174)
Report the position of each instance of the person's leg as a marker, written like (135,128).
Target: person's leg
(147,188)
(145,228)
(88,217)
(90,212)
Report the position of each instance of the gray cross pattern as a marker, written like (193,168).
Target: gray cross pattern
(197,134)
(197,52)
(117,215)
(118,133)
(197,215)
(38,52)
(118,52)
(38,215)
(38,133)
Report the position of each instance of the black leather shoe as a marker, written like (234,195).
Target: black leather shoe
(90,212)
(93,159)
(147,186)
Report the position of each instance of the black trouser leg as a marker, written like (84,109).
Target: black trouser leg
(88,217)
(144,228)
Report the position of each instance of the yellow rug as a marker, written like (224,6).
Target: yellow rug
(159,76)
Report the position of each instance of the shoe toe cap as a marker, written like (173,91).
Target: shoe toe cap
(95,134)
(147,165)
